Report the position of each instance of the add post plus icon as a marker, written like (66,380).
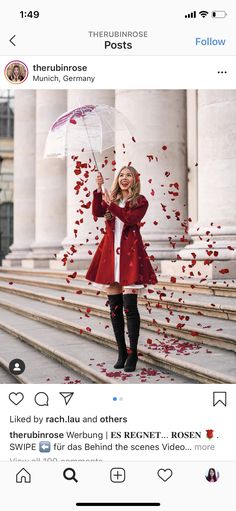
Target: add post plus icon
(117,475)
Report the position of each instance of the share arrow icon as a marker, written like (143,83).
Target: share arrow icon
(67,396)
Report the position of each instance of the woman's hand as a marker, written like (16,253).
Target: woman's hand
(108,215)
(99,181)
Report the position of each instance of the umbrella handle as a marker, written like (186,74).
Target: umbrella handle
(104,190)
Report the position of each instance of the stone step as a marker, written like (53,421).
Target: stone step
(195,303)
(93,359)
(159,349)
(212,306)
(222,287)
(5,376)
(198,328)
(39,368)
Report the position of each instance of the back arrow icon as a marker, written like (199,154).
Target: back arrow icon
(11,40)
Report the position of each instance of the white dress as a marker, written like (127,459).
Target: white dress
(117,240)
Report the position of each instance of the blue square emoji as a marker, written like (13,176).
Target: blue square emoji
(44,446)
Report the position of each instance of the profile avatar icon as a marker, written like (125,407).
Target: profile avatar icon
(212,476)
(16,366)
(16,72)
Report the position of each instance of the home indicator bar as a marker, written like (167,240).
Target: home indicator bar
(121,504)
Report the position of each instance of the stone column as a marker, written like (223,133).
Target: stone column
(50,219)
(24,177)
(192,154)
(84,240)
(159,121)
(214,235)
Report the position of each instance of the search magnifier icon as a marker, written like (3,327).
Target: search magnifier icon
(70,475)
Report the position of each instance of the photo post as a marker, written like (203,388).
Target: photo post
(120,240)
(117,256)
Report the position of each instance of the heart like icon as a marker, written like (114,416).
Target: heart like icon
(165,474)
(16,397)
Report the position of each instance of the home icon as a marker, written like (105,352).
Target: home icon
(23,476)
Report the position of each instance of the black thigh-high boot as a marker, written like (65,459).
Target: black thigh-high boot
(117,319)
(133,323)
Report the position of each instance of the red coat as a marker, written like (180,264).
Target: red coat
(135,267)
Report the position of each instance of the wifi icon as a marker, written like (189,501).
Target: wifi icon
(203,13)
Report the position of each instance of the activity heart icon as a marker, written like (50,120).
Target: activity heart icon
(165,474)
(16,397)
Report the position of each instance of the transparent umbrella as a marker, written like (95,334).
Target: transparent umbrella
(90,127)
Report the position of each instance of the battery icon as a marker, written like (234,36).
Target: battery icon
(219,14)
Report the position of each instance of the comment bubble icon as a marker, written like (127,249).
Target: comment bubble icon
(41,399)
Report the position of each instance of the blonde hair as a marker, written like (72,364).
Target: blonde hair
(116,192)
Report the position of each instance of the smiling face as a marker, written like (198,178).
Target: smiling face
(16,71)
(212,472)
(126,179)
(126,185)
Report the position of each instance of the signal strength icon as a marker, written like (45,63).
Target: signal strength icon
(203,13)
(191,15)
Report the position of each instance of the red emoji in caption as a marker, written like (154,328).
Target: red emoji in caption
(209,433)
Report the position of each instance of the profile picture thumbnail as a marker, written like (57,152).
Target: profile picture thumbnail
(16,72)
(212,475)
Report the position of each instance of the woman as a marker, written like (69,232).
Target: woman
(16,75)
(121,262)
(211,476)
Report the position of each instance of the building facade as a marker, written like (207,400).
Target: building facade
(6,171)
(185,152)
